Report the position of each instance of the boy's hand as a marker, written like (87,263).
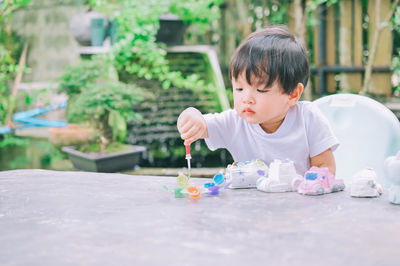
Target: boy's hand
(192,125)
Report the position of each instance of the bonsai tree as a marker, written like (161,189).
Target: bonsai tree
(97,99)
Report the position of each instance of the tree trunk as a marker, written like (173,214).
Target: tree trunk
(380,25)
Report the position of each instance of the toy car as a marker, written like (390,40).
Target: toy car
(318,181)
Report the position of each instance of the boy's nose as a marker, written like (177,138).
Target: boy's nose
(248,98)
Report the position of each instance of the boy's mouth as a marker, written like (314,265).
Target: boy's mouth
(248,111)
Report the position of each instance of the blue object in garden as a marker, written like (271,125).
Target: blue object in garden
(29,120)
(28,117)
(97,31)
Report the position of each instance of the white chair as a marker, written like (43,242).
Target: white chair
(367,130)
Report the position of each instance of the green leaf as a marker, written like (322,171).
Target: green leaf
(118,126)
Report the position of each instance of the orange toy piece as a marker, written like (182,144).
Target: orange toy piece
(194,192)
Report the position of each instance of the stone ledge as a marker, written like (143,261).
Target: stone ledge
(196,172)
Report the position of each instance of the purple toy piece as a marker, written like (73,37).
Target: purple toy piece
(213,190)
(261,172)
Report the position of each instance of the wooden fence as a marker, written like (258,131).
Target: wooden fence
(338,42)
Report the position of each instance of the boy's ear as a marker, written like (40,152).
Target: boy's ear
(295,95)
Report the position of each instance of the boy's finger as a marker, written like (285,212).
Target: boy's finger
(183,128)
(193,138)
(182,120)
(190,132)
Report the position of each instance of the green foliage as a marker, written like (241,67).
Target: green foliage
(268,12)
(200,13)
(396,72)
(8,68)
(79,77)
(108,107)
(136,50)
(9,52)
(96,96)
(10,140)
(396,20)
(396,58)
(312,6)
(9,6)
(10,49)
(111,148)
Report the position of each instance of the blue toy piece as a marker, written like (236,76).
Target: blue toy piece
(367,130)
(311,176)
(219,179)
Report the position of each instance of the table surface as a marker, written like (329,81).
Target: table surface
(82,218)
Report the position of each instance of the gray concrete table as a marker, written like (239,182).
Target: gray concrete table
(79,218)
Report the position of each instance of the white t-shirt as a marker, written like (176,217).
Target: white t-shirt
(304,133)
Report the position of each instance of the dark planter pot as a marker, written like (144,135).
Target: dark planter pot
(107,163)
(172,30)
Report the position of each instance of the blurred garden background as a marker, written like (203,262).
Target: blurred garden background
(101,74)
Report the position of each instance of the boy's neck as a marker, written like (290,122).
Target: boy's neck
(271,128)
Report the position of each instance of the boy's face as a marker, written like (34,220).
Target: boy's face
(259,105)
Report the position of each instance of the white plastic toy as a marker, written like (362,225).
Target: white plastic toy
(282,177)
(245,174)
(363,184)
(392,169)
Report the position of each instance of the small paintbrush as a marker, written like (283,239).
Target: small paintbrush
(188,157)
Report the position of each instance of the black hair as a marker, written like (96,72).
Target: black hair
(269,55)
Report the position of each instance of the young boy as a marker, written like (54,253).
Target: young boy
(269,71)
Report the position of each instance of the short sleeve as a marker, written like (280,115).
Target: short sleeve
(320,135)
(219,126)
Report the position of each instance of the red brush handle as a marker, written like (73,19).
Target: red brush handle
(187,149)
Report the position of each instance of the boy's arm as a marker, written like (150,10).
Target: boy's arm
(325,159)
(192,125)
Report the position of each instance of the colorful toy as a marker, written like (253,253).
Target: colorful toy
(183,180)
(318,181)
(195,192)
(246,174)
(282,177)
(392,170)
(364,184)
(178,192)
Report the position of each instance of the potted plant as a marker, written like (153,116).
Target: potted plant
(138,56)
(171,31)
(98,99)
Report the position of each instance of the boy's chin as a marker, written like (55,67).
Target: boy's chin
(250,120)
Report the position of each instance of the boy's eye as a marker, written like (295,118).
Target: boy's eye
(239,89)
(262,91)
